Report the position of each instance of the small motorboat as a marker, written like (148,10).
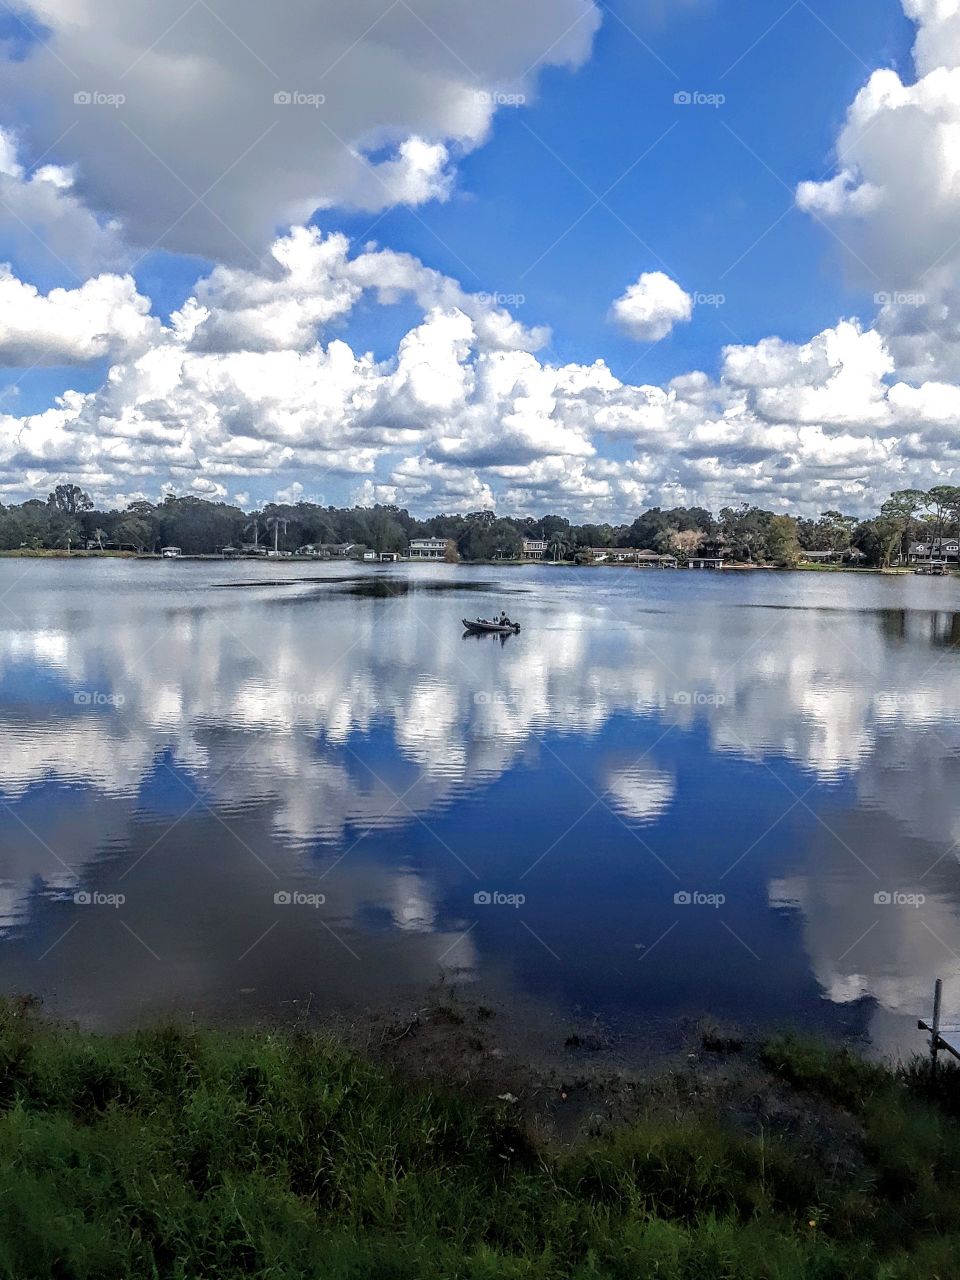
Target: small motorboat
(494,628)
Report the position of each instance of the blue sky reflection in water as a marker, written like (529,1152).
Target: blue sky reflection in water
(779,748)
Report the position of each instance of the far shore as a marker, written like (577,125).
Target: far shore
(25,553)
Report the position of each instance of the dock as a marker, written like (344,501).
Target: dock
(942,1035)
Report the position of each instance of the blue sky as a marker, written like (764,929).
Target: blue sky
(597,178)
(699,199)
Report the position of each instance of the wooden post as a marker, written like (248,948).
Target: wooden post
(935,1029)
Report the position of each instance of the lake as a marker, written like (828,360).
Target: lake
(233,789)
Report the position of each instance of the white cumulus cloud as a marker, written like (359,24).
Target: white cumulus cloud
(204,130)
(247,384)
(104,316)
(895,198)
(46,222)
(649,309)
(251,385)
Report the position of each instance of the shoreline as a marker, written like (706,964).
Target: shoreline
(283,1154)
(483,1044)
(586,1081)
(216,558)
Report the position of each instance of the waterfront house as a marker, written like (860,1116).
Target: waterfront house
(706,562)
(170,553)
(630,555)
(533,549)
(852,555)
(428,548)
(937,549)
(651,560)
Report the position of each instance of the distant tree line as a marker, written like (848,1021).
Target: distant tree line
(68,520)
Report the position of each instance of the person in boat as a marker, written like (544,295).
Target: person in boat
(504,620)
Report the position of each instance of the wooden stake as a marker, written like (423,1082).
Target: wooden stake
(935,1029)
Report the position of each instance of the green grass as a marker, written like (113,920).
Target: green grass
(47,553)
(189,1154)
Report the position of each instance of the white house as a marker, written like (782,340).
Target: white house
(705,562)
(428,548)
(533,548)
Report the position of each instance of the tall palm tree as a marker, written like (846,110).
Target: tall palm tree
(559,547)
(255,526)
(274,523)
(99,535)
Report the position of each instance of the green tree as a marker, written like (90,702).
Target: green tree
(386,531)
(199,526)
(594,535)
(942,501)
(70,499)
(783,545)
(875,538)
(899,514)
(547,526)
(484,537)
(134,530)
(558,546)
(744,530)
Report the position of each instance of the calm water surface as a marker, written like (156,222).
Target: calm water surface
(672,794)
